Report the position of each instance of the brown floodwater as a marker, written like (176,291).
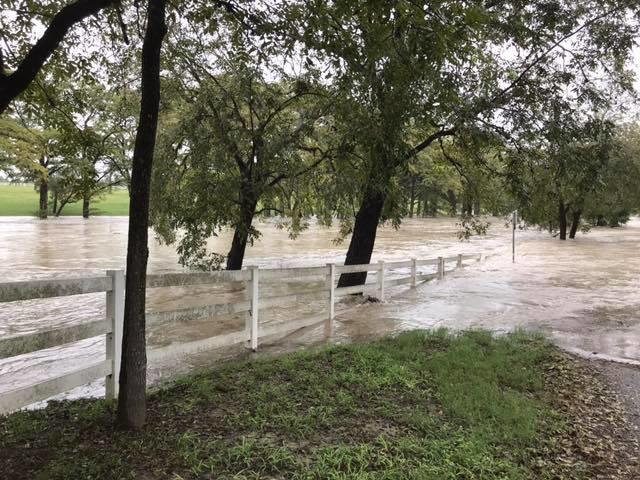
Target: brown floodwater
(584,294)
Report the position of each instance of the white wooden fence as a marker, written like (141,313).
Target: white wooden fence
(321,279)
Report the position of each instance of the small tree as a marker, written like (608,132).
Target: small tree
(32,153)
(564,168)
(227,151)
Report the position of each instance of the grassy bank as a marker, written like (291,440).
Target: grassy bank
(22,200)
(418,406)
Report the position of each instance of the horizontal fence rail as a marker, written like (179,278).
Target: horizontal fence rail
(262,290)
(60,287)
(21,344)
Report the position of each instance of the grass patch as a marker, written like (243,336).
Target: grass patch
(422,405)
(22,200)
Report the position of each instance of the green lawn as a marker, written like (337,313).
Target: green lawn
(22,200)
(419,406)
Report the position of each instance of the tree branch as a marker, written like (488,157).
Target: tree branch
(444,132)
(14,84)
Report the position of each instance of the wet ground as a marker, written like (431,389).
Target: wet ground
(584,294)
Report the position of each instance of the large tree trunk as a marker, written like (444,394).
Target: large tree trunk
(476,206)
(575,223)
(562,219)
(86,199)
(43,206)
(15,83)
(133,370)
(365,228)
(235,257)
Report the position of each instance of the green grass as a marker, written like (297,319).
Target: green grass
(418,406)
(22,200)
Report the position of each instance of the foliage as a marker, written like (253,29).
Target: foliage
(240,139)
(28,151)
(472,225)
(566,168)
(617,196)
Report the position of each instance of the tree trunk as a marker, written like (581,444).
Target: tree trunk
(575,223)
(133,370)
(412,201)
(241,234)
(55,201)
(365,229)
(467,207)
(86,199)
(43,211)
(562,219)
(419,209)
(453,202)
(476,206)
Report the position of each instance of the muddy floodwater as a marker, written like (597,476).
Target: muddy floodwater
(584,294)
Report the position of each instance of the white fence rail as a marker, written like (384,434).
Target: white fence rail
(253,280)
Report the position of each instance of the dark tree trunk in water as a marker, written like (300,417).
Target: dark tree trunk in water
(235,257)
(562,220)
(575,223)
(133,373)
(365,228)
(453,202)
(55,202)
(412,201)
(86,199)
(467,207)
(44,199)
(476,206)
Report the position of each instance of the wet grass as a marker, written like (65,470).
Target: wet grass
(22,200)
(423,405)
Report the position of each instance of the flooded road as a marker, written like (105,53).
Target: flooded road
(585,294)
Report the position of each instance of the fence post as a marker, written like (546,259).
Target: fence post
(332,289)
(440,267)
(413,273)
(253,326)
(115,313)
(381,280)
(459,264)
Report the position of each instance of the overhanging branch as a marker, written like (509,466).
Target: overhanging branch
(15,83)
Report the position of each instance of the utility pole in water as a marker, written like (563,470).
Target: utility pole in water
(513,236)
